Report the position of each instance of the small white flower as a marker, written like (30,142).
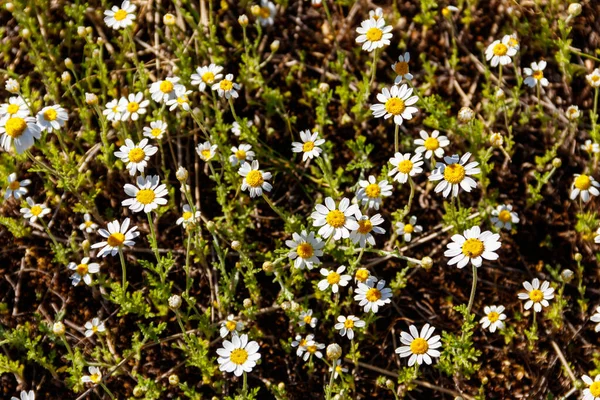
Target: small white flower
(373,294)
(500,52)
(590,147)
(25,396)
(230,327)
(255,180)
(573,113)
(238,355)
(156,130)
(206,76)
(147,195)
(188,217)
(592,392)
(312,348)
(181,99)
(94,326)
(366,226)
(206,151)
(338,369)
(395,102)
(16,107)
(267,13)
(584,185)
(405,166)
(594,78)
(535,74)
(165,90)
(537,296)
(133,106)
(305,249)
(227,87)
(455,174)
(346,325)
(376,13)
(95,376)
(309,145)
(236,129)
(122,17)
(16,188)
(12,86)
(306,318)
(83,271)
(34,211)
(406,230)
(52,117)
(301,342)
(335,279)
(371,192)
(596,318)
(401,68)
(20,131)
(88,225)
(241,154)
(494,318)
(431,145)
(420,347)
(112,110)
(513,42)
(117,236)
(504,216)
(373,34)
(333,221)
(136,155)
(473,245)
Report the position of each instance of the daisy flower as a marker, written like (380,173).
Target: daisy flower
(136,155)
(236,129)
(431,145)
(373,294)
(95,376)
(494,317)
(455,174)
(333,221)
(573,113)
(52,117)
(361,275)
(206,76)
(25,396)
(473,245)
(312,348)
(163,91)
(590,147)
(406,230)
(112,110)
(372,192)
(405,166)
(401,68)
(83,271)
(133,106)
(338,369)
(513,42)
(584,185)
(230,326)
(12,86)
(592,392)
(94,326)
(395,102)
(373,34)
(347,324)
(241,154)
(366,225)
(305,249)
(537,296)
(147,196)
(16,107)
(16,188)
(88,225)
(34,211)
(227,87)
(20,131)
(535,74)
(117,236)
(188,216)
(376,14)
(499,52)
(309,145)
(206,151)
(594,78)
(301,342)
(181,99)
(596,318)
(335,279)
(306,318)
(122,17)
(255,180)
(420,347)
(156,130)
(267,13)
(238,355)
(504,216)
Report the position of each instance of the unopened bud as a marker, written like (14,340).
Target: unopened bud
(578,257)
(567,275)
(573,113)
(466,115)
(557,162)
(236,245)
(58,328)
(255,10)
(91,99)
(68,63)
(285,306)
(274,46)
(500,95)
(496,139)
(210,226)
(81,31)
(295,306)
(66,77)
(181,174)
(267,266)
(85,245)
(390,384)
(169,19)
(281,386)
(323,87)
(426,262)
(10,7)
(175,302)
(247,303)
(26,33)
(173,380)
(334,351)
(138,391)
(484,380)
(243,20)
(574,9)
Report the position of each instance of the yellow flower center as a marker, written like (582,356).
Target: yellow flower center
(446,12)
(595,78)
(36,210)
(226,85)
(182,100)
(395,106)
(187,215)
(493,316)
(431,143)
(156,132)
(538,75)
(454,173)
(82,269)
(265,12)
(504,216)
(595,389)
(120,15)
(365,226)
(338,369)
(373,295)
(238,356)
(308,146)
(583,182)
(50,114)
(362,275)
(136,155)
(254,178)
(373,191)
(88,223)
(133,107)
(208,77)
(166,86)
(419,346)
(145,196)
(500,49)
(408,228)
(305,250)
(95,378)
(512,42)
(405,166)
(94,329)
(12,109)
(348,324)
(15,127)
(302,343)
(536,295)
(307,319)
(473,248)
(115,239)
(333,278)
(311,349)
(335,218)
(14,185)
(401,68)
(230,325)
(240,155)
(374,34)
(206,154)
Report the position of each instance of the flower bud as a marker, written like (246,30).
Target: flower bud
(578,257)
(390,384)
(91,99)
(85,245)
(173,380)
(181,174)
(247,303)
(12,86)
(26,33)
(557,162)
(81,31)
(466,115)
(68,63)
(58,328)
(169,19)
(567,275)
(100,41)
(573,113)
(496,139)
(323,87)
(285,306)
(255,10)
(175,302)
(316,3)
(500,95)
(96,53)
(267,266)
(10,7)
(66,77)
(334,351)
(484,380)
(426,262)
(243,20)
(295,306)
(281,386)
(274,46)
(138,391)
(210,226)
(574,9)
(236,245)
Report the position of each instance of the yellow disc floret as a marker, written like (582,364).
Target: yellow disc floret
(82,269)
(395,106)
(254,178)
(50,114)
(473,248)
(454,173)
(305,250)
(504,216)
(595,389)
(333,278)
(136,155)
(493,316)
(348,324)
(145,196)
(208,77)
(226,85)
(373,295)
(120,15)
(374,34)
(36,210)
(166,86)
(365,226)
(238,356)
(536,295)
(583,182)
(335,218)
(133,107)
(240,154)
(500,49)
(230,325)
(405,166)
(116,239)
(308,146)
(15,127)
(373,191)
(419,346)
(401,68)
(431,144)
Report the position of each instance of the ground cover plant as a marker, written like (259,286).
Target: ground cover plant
(290,199)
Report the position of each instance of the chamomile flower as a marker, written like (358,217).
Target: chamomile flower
(592,392)
(136,155)
(15,188)
(20,131)
(401,68)
(420,347)
(83,271)
(583,186)
(95,376)
(181,99)
(513,42)
(334,221)
(573,113)
(25,396)
(305,249)
(188,217)
(594,78)
(590,147)
(535,74)
(309,147)
(52,117)
(255,180)
(455,174)
(132,106)
(241,154)
(206,76)
(500,52)
(301,342)
(373,294)
(596,318)
(94,326)
(16,107)
(156,130)
(312,348)
(504,217)
(112,110)
(473,245)
(346,325)
(376,13)
(117,236)
(267,12)
(395,102)
(537,296)
(34,211)
(494,318)
(120,17)
(165,90)
(236,129)
(366,227)
(12,86)
(405,166)
(88,225)
(406,230)
(227,87)
(372,192)
(238,355)
(206,151)
(361,275)
(431,145)
(230,327)
(147,195)
(373,34)
(335,279)
(306,318)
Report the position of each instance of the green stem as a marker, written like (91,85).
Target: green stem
(188,282)
(106,390)
(153,235)
(396,139)
(500,77)
(48,232)
(473,288)
(180,322)
(331,379)
(245,387)
(68,346)
(270,203)
(124,271)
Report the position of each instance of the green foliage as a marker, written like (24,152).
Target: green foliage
(459,356)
